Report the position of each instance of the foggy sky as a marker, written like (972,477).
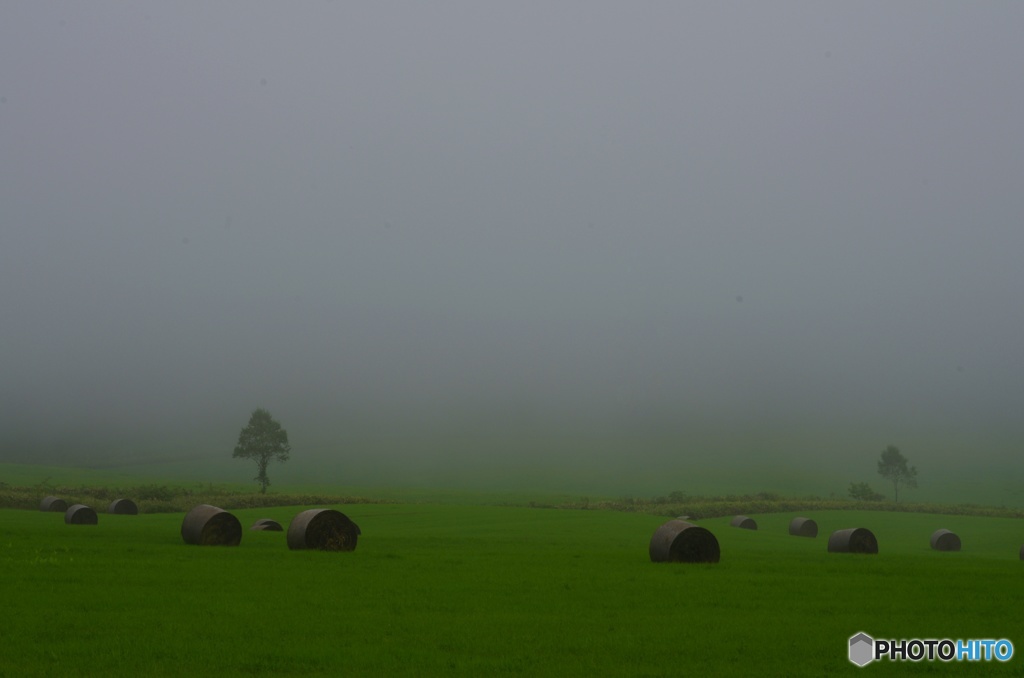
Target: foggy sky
(788,216)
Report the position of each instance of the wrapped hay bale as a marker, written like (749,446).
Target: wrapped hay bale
(944,540)
(323,529)
(678,541)
(803,527)
(123,507)
(744,523)
(267,524)
(53,504)
(80,514)
(853,540)
(207,525)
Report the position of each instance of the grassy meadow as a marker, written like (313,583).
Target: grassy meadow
(463,589)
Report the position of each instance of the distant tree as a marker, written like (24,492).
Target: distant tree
(893,467)
(262,439)
(864,492)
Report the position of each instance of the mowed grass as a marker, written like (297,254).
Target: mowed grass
(491,590)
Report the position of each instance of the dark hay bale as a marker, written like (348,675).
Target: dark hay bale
(853,540)
(1022,552)
(678,541)
(267,524)
(744,522)
(803,527)
(207,525)
(323,529)
(944,540)
(80,514)
(53,504)
(123,507)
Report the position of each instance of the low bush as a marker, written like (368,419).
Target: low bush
(864,492)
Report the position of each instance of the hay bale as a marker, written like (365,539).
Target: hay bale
(53,504)
(207,525)
(1022,552)
(803,527)
(744,523)
(323,529)
(678,541)
(123,507)
(944,540)
(267,524)
(853,540)
(80,514)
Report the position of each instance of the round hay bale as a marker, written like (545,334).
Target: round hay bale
(53,504)
(678,541)
(1022,552)
(744,523)
(267,524)
(853,540)
(944,540)
(80,514)
(323,529)
(123,507)
(803,527)
(207,525)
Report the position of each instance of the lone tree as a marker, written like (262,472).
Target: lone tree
(262,439)
(893,466)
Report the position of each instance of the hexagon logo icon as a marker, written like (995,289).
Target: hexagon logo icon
(862,649)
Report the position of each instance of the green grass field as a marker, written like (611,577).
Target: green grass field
(490,590)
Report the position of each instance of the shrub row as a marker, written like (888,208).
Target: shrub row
(162,499)
(767,502)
